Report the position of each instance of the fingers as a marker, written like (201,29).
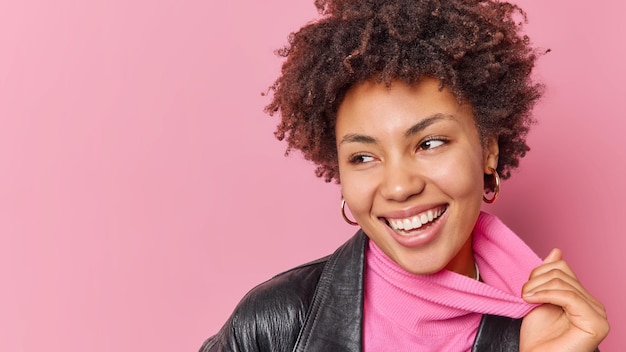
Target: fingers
(580,313)
(555,283)
(557,277)
(556,274)
(554,260)
(554,255)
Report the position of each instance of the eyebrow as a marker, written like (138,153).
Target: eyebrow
(420,126)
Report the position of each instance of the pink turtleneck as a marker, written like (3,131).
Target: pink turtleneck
(442,311)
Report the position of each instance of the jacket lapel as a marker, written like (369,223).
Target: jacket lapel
(334,319)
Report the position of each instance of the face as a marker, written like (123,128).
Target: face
(411,166)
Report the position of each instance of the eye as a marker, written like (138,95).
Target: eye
(432,143)
(361,159)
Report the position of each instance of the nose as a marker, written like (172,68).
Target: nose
(401,181)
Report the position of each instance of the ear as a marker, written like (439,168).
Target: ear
(491,151)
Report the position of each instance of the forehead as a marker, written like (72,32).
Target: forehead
(375,106)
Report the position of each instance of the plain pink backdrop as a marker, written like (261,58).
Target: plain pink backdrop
(142,192)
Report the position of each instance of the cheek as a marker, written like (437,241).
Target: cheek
(358,192)
(462,177)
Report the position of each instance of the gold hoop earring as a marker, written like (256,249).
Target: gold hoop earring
(343,213)
(496,190)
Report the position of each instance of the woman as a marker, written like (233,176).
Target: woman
(417,108)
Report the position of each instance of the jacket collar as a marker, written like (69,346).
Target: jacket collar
(335,317)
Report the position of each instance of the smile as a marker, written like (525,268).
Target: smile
(416,221)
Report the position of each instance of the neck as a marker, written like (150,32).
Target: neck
(463,263)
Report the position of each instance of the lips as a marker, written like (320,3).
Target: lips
(417,221)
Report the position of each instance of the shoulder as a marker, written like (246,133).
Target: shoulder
(288,292)
(269,317)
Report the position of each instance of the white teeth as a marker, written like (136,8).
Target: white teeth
(416,221)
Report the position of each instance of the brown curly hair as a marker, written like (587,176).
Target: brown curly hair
(474,47)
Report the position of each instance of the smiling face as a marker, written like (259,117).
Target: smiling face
(411,167)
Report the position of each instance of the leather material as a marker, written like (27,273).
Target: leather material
(319,307)
(497,334)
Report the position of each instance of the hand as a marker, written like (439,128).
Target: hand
(569,319)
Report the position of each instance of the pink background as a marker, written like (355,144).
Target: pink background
(142,192)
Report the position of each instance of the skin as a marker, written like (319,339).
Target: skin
(570,319)
(403,150)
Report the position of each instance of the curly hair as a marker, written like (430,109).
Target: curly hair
(474,47)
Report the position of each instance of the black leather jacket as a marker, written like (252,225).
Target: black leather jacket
(319,307)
